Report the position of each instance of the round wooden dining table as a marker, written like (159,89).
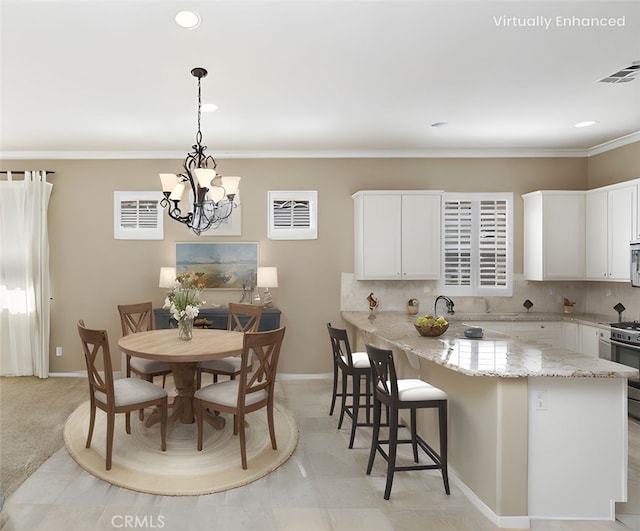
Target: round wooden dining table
(183,357)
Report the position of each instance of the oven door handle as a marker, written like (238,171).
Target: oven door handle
(625,345)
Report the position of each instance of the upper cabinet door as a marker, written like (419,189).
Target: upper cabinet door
(611,225)
(597,235)
(421,236)
(554,235)
(396,235)
(378,237)
(622,230)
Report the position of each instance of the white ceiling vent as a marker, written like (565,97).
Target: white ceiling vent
(625,75)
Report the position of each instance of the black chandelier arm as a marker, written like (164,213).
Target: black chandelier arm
(198,159)
(174,210)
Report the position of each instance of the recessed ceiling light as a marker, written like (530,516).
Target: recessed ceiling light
(208,107)
(586,123)
(439,124)
(188,19)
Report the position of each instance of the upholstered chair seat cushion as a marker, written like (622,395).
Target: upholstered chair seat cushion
(149,366)
(411,390)
(227,365)
(360,360)
(226,394)
(131,391)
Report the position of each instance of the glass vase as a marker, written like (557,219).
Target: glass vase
(185,328)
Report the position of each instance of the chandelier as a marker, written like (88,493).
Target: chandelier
(212,194)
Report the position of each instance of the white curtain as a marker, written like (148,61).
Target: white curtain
(24,275)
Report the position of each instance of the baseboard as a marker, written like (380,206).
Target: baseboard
(78,374)
(506,522)
(293,376)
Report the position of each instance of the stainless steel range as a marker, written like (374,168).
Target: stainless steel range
(625,349)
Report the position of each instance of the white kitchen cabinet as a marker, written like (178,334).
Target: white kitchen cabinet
(611,223)
(569,335)
(554,235)
(397,235)
(588,340)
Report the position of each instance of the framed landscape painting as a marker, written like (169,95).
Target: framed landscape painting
(220,265)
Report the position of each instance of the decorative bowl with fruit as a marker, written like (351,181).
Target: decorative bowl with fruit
(430,326)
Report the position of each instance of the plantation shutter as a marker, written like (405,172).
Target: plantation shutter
(141,214)
(492,244)
(458,230)
(137,216)
(477,244)
(293,215)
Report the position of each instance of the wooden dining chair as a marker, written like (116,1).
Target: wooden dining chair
(123,395)
(135,318)
(250,392)
(139,318)
(242,318)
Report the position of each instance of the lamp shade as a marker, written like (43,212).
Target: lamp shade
(267,277)
(204,176)
(167,277)
(176,194)
(231,185)
(169,181)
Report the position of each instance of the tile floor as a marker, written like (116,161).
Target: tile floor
(322,487)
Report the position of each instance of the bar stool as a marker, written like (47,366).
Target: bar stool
(409,394)
(354,365)
(336,366)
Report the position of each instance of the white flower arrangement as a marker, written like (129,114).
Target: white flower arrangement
(184,298)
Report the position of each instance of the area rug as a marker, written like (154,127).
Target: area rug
(140,465)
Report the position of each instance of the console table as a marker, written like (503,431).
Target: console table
(218,317)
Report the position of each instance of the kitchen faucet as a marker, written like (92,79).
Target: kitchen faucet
(447,301)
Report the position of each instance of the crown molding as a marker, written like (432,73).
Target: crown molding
(378,154)
(319,154)
(613,144)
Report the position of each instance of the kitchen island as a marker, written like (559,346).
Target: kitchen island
(535,430)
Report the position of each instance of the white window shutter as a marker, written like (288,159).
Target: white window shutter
(493,244)
(457,244)
(477,244)
(137,216)
(293,215)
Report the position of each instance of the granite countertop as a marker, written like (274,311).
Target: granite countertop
(602,321)
(497,354)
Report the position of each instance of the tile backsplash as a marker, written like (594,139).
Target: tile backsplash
(590,297)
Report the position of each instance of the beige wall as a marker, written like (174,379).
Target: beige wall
(622,164)
(92,273)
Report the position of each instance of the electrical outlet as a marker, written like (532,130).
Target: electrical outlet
(541,400)
(59,351)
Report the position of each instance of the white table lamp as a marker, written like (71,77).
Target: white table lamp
(167,277)
(267,278)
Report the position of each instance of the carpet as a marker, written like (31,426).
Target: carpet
(140,465)
(32,415)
